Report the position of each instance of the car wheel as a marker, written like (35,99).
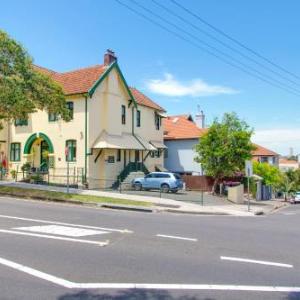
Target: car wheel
(165,188)
(137,186)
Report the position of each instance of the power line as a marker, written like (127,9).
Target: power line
(213,48)
(201,48)
(169,11)
(234,40)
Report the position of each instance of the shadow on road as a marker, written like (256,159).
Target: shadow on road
(129,295)
(165,295)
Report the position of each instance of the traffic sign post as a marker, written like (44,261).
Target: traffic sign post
(249,173)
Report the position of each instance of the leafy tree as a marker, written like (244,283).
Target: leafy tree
(23,90)
(271,175)
(222,151)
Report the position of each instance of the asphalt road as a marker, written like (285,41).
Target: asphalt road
(55,251)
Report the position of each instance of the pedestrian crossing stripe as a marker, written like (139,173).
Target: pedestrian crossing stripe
(62,230)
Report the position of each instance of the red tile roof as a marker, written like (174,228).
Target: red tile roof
(81,80)
(261,151)
(142,99)
(78,81)
(287,161)
(180,127)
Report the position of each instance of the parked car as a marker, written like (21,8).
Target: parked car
(163,181)
(296,198)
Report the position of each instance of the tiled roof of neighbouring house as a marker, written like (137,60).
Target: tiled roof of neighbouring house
(262,151)
(180,127)
(285,161)
(81,80)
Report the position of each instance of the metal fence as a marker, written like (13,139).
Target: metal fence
(74,178)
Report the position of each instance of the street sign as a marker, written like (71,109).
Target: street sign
(248,168)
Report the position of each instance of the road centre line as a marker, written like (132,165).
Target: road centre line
(151,286)
(67,224)
(261,262)
(101,244)
(177,237)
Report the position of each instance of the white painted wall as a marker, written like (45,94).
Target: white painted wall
(181,156)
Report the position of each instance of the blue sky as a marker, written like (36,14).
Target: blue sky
(65,35)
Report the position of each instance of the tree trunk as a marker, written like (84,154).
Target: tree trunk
(213,190)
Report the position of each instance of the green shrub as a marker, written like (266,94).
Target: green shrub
(26,167)
(13,174)
(36,178)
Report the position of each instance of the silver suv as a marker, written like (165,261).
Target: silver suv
(163,181)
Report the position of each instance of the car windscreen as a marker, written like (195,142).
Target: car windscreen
(177,176)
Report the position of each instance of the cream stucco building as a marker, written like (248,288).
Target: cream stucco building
(115,129)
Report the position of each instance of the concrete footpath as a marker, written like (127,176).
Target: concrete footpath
(163,204)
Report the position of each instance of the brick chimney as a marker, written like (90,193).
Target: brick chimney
(109,57)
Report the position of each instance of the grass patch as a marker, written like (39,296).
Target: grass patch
(59,196)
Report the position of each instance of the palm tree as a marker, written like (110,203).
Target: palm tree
(287,186)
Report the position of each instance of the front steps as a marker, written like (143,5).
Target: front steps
(126,183)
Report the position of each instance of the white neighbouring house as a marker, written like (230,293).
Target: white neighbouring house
(115,129)
(181,135)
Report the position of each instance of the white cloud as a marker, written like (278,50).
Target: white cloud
(169,86)
(280,139)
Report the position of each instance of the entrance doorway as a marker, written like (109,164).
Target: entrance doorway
(44,161)
(37,148)
(39,153)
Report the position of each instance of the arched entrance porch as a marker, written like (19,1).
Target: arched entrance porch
(38,149)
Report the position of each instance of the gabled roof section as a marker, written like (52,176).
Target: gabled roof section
(114,65)
(262,151)
(181,128)
(86,81)
(77,81)
(142,99)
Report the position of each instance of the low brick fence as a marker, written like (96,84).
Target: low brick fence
(201,183)
(205,183)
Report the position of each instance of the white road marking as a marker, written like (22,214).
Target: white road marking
(67,224)
(152,286)
(55,237)
(177,237)
(261,262)
(36,273)
(62,230)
